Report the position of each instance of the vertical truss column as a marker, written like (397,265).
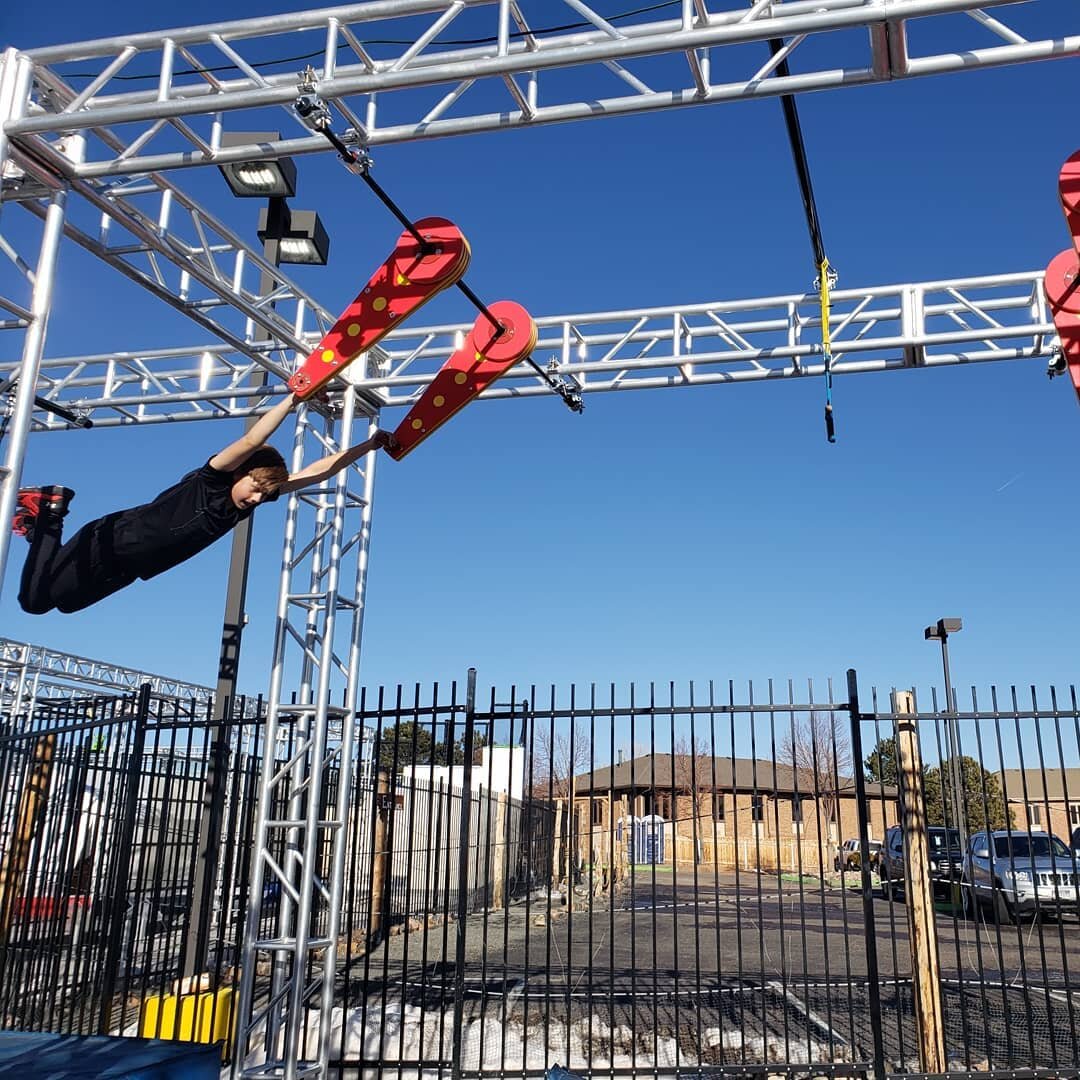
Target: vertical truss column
(15,79)
(300,837)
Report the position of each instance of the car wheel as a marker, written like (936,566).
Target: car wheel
(1003,910)
(967,900)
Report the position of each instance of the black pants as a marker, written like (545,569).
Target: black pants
(71,576)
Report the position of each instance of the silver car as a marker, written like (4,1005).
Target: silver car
(1019,873)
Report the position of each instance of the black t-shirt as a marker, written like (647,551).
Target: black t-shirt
(179,523)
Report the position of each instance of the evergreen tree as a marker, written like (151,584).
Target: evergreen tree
(881,766)
(983,800)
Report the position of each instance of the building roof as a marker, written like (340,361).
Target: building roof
(1052,783)
(681,771)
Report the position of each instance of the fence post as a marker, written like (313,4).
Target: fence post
(498,870)
(864,867)
(922,928)
(31,804)
(117,913)
(463,869)
(380,856)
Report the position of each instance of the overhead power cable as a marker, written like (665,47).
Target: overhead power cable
(826,276)
(514,35)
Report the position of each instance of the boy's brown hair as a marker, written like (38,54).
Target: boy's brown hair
(267,468)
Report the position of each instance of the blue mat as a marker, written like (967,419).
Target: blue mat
(46,1056)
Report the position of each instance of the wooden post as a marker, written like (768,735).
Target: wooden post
(498,898)
(918,889)
(31,806)
(556,862)
(380,856)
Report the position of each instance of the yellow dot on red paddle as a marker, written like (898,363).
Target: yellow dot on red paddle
(460,377)
(402,279)
(328,356)
(479,357)
(379,303)
(353,329)
(439,401)
(417,425)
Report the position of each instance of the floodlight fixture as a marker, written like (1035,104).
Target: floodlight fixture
(300,234)
(258,177)
(942,629)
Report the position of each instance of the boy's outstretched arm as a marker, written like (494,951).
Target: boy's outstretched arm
(332,464)
(235,454)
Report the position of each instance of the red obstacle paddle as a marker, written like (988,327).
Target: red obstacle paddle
(411,276)
(482,358)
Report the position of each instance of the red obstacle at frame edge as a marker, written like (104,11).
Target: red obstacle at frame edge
(1062,283)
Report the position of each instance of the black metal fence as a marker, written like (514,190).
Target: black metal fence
(624,881)
(100,801)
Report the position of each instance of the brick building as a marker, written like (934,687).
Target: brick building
(1044,801)
(731,811)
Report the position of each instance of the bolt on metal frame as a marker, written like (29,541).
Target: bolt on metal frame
(319,625)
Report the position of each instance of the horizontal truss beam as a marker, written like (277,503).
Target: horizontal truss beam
(64,674)
(883,328)
(436,68)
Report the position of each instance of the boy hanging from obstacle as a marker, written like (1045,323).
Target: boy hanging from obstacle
(110,553)
(141,542)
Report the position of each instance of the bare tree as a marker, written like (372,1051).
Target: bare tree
(816,747)
(555,762)
(692,773)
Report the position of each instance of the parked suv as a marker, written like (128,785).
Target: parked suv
(946,860)
(1020,873)
(848,858)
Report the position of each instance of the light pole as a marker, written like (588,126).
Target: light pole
(940,631)
(288,237)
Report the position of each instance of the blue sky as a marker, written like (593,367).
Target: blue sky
(697,534)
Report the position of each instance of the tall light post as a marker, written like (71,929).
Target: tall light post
(288,236)
(940,631)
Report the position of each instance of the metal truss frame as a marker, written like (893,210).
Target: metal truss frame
(881,328)
(89,161)
(31,672)
(317,641)
(466,66)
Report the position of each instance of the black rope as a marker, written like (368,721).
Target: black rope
(360,163)
(351,157)
(798,152)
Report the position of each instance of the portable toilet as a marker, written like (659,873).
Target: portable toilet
(647,839)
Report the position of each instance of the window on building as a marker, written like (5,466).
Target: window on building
(796,810)
(718,806)
(757,808)
(598,811)
(1074,814)
(1035,815)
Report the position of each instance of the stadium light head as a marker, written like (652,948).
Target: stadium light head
(258,178)
(300,235)
(942,629)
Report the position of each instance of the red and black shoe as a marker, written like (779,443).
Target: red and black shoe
(34,501)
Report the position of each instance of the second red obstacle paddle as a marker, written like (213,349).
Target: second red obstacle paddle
(483,357)
(410,277)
